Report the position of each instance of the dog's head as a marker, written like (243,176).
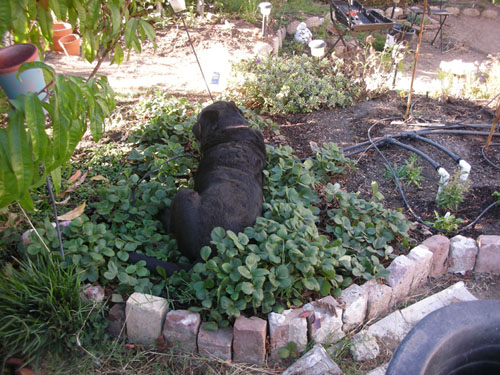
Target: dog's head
(216,116)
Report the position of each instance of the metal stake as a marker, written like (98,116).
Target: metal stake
(490,137)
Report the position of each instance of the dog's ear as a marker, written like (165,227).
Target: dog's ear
(236,107)
(207,123)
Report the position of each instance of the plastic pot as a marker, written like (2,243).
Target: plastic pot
(60,29)
(178,5)
(460,339)
(11,58)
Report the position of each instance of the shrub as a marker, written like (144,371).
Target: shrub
(291,84)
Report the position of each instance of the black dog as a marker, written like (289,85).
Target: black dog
(228,186)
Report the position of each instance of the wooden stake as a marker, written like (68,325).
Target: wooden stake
(422,24)
(490,137)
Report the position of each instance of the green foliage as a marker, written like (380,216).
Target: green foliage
(291,84)
(497,194)
(366,228)
(289,351)
(410,172)
(101,24)
(29,151)
(41,310)
(452,193)
(447,223)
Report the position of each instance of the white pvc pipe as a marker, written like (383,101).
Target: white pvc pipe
(444,178)
(464,169)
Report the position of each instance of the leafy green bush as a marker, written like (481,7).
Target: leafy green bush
(291,84)
(41,310)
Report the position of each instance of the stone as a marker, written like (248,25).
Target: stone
(422,257)
(93,293)
(181,329)
(289,326)
(471,12)
(453,10)
(215,343)
(292,27)
(315,362)
(463,252)
(453,294)
(402,270)
(276,45)
(391,330)
(263,49)
(355,301)
(26,237)
(364,347)
(116,320)
(488,259)
(324,321)
(145,314)
(439,245)
(314,21)
(249,340)
(379,298)
(398,13)
(381,370)
(489,13)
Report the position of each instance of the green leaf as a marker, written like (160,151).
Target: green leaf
(116,18)
(244,272)
(148,30)
(247,287)
(210,326)
(205,252)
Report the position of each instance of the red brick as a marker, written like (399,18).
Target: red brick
(215,343)
(249,343)
(440,247)
(488,259)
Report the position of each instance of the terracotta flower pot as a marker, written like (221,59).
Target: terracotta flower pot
(60,29)
(11,58)
(70,44)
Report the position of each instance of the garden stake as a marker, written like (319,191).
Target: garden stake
(58,229)
(492,128)
(422,24)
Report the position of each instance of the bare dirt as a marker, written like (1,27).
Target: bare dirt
(218,43)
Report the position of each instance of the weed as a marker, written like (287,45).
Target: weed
(452,193)
(409,172)
(447,223)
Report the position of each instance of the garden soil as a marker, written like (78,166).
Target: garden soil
(173,67)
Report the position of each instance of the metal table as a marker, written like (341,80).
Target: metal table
(443,15)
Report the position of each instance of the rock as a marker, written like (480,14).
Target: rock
(249,342)
(391,330)
(398,13)
(325,320)
(488,259)
(215,343)
(292,27)
(276,45)
(453,10)
(145,314)
(489,13)
(314,362)
(402,270)
(181,329)
(116,320)
(422,257)
(290,326)
(364,347)
(471,12)
(314,22)
(355,301)
(263,49)
(381,370)
(379,298)
(93,293)
(462,256)
(439,245)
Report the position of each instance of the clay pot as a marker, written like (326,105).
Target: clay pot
(70,44)
(11,58)
(60,29)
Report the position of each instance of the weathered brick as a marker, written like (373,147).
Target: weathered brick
(145,314)
(488,259)
(315,362)
(422,257)
(325,320)
(439,245)
(391,330)
(290,326)
(400,279)
(379,298)
(453,294)
(463,252)
(355,301)
(249,342)
(116,320)
(180,330)
(364,347)
(215,343)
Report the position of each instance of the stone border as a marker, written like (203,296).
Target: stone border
(146,318)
